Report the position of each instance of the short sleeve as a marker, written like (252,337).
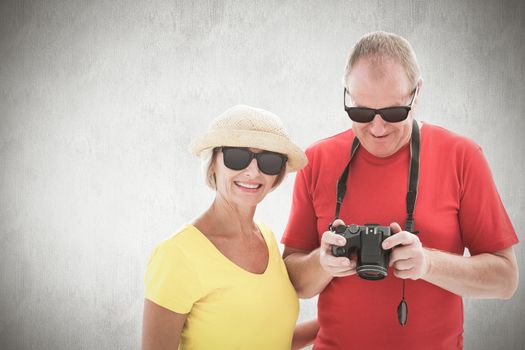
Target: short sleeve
(170,279)
(485,225)
(301,230)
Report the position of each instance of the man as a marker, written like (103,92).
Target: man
(457,206)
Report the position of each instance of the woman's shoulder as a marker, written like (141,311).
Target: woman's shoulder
(268,234)
(265,230)
(184,239)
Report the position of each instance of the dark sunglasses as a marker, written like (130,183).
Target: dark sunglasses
(390,114)
(237,158)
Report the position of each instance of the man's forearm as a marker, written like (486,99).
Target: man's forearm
(480,276)
(304,334)
(306,273)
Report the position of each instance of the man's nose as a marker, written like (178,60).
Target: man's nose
(377,125)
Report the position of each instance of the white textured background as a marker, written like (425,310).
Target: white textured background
(99,99)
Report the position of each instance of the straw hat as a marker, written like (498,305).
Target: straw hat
(245,126)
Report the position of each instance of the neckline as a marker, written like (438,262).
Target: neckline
(369,157)
(216,251)
(399,154)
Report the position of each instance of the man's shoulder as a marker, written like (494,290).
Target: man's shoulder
(334,143)
(438,136)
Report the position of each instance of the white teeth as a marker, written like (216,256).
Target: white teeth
(251,186)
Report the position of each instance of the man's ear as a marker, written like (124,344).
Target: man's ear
(419,86)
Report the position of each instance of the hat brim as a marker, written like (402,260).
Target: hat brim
(253,139)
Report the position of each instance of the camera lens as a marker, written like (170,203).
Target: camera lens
(371,272)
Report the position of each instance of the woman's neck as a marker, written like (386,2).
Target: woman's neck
(227,219)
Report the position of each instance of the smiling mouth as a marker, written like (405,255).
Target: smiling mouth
(248,186)
(378,137)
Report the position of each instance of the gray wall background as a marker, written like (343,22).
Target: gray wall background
(99,99)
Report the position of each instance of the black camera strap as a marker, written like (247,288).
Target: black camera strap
(413,180)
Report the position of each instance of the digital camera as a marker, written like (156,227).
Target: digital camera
(365,242)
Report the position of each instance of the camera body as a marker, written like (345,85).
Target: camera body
(365,241)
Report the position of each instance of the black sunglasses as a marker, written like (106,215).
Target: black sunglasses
(238,158)
(390,114)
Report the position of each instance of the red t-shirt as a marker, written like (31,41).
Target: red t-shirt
(457,206)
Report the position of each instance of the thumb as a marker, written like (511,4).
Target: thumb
(395,227)
(338,222)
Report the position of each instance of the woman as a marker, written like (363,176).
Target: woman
(220,282)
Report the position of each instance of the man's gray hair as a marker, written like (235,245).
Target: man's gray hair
(382,45)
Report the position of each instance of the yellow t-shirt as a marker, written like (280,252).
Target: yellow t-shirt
(227,306)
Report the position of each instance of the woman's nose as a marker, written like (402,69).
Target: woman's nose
(252,168)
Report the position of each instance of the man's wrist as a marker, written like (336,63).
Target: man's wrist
(429,254)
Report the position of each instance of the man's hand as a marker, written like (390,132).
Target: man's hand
(408,257)
(335,266)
